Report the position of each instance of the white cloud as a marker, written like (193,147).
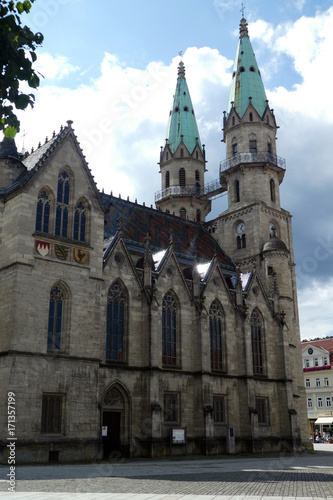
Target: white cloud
(315,309)
(121,118)
(54,68)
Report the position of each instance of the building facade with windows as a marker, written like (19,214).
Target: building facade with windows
(131,330)
(317,356)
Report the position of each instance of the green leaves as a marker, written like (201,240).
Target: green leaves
(17,54)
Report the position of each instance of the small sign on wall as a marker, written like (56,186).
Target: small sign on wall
(104,430)
(178,436)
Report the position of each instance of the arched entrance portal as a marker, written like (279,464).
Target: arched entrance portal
(115,423)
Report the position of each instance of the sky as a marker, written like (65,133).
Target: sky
(111,67)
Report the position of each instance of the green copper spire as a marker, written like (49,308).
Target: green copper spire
(246,79)
(182,124)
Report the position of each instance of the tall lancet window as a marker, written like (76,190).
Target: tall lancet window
(56,312)
(182,177)
(79,232)
(169,330)
(115,323)
(61,224)
(167,179)
(43,213)
(257,343)
(215,330)
(272,189)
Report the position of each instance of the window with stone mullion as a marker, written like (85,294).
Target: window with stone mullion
(169,330)
(115,324)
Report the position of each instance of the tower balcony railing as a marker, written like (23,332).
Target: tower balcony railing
(241,158)
(197,191)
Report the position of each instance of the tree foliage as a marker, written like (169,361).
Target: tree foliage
(17,55)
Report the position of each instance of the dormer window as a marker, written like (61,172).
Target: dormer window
(253,69)
(241,69)
(185,108)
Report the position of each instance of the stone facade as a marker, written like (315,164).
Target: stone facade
(130,331)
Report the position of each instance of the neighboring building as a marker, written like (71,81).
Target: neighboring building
(132,329)
(317,358)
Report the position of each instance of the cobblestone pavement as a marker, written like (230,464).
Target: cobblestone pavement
(289,477)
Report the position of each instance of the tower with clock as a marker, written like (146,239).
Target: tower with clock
(254,227)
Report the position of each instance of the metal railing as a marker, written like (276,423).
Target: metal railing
(189,190)
(277,161)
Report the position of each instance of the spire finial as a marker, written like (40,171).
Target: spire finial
(243,31)
(181,67)
(242,10)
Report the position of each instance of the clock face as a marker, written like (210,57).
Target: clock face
(241,228)
(310,350)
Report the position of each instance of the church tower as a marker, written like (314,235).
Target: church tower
(252,171)
(255,231)
(182,160)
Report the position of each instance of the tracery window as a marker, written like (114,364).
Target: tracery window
(56,314)
(43,213)
(215,331)
(79,232)
(257,343)
(61,224)
(241,241)
(182,177)
(115,323)
(169,330)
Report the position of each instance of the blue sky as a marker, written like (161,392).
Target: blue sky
(111,67)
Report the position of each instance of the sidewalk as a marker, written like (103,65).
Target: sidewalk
(287,477)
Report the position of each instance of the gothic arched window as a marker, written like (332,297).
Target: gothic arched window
(182,213)
(79,232)
(43,213)
(182,177)
(115,323)
(257,343)
(197,175)
(169,330)
(167,179)
(56,316)
(62,204)
(215,331)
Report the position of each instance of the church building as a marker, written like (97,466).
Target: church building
(128,331)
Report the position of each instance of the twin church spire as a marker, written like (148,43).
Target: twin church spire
(247,85)
(182,159)
(182,124)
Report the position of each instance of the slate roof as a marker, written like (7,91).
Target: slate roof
(137,221)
